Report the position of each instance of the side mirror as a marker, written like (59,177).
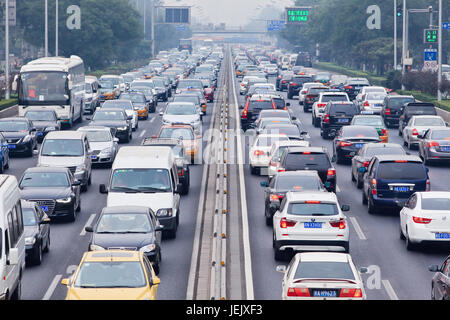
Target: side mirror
(36,152)
(14,83)
(116,140)
(89,229)
(161,114)
(159,228)
(155,281)
(130,118)
(433,268)
(363,270)
(345,207)
(102,189)
(264,184)
(65,281)
(45,221)
(69,84)
(281,269)
(13,257)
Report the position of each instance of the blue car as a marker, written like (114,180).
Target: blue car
(391,179)
(4,154)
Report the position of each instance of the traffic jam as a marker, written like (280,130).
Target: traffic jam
(340,176)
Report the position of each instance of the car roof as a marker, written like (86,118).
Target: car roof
(306,149)
(47,169)
(323,257)
(144,157)
(66,134)
(15,119)
(112,256)
(311,195)
(298,173)
(406,157)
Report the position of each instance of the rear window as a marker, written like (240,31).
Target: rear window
(440,134)
(435,203)
(429,122)
(337,97)
(399,102)
(263,104)
(300,161)
(401,171)
(298,183)
(418,110)
(360,132)
(279,103)
(348,109)
(301,80)
(324,270)
(313,209)
(370,152)
(317,90)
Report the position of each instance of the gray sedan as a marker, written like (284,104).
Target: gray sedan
(434,145)
(103,144)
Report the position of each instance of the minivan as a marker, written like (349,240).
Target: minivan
(12,239)
(146,176)
(92,94)
(68,149)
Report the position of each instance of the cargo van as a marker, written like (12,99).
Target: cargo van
(146,176)
(12,239)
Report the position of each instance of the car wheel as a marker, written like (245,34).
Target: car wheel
(156,264)
(359,183)
(73,215)
(268,218)
(346,247)
(37,256)
(402,236)
(185,190)
(79,206)
(7,163)
(370,207)
(47,243)
(18,292)
(409,245)
(352,176)
(400,133)
(364,198)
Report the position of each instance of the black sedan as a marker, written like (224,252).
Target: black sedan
(36,230)
(440,285)
(54,189)
(282,182)
(130,228)
(350,139)
(292,131)
(44,121)
(20,135)
(116,119)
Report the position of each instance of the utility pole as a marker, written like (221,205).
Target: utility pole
(145,16)
(404,41)
(7,96)
(57,30)
(153,28)
(46,28)
(440,52)
(395,34)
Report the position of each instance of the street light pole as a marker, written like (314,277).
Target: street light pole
(404,42)
(46,28)
(57,29)
(395,34)
(440,52)
(7,48)
(153,28)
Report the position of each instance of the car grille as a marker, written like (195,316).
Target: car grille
(48,203)
(123,248)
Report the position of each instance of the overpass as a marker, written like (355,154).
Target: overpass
(228,32)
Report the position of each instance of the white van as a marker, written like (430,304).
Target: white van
(285,62)
(12,239)
(146,176)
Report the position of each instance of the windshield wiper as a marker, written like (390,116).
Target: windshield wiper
(128,189)
(153,190)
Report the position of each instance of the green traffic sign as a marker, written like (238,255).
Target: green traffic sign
(430,36)
(296,15)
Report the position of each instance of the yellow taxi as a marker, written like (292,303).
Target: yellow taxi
(113,275)
(186,133)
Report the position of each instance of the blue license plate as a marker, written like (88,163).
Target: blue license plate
(342,120)
(11,146)
(442,235)
(40,133)
(312,225)
(359,145)
(401,189)
(445,149)
(94,157)
(45,208)
(324,293)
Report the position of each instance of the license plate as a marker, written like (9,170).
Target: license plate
(11,146)
(94,157)
(342,120)
(446,149)
(45,208)
(324,293)
(312,225)
(442,235)
(357,88)
(359,145)
(401,189)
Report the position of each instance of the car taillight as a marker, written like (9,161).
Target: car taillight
(350,293)
(244,114)
(421,220)
(374,186)
(331,172)
(326,118)
(298,292)
(279,77)
(321,105)
(259,153)
(428,185)
(338,223)
(308,97)
(348,87)
(415,132)
(275,197)
(387,111)
(366,104)
(366,164)
(285,223)
(281,170)
(283,81)
(242,85)
(303,91)
(180,173)
(383,132)
(292,84)
(433,144)
(345,144)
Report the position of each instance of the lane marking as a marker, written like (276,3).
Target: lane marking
(88,223)
(52,287)
(338,189)
(152,119)
(390,291)
(358,229)
(142,133)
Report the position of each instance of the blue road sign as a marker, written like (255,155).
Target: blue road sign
(275,25)
(446,25)
(430,55)
(181,27)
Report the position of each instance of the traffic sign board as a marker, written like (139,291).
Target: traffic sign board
(275,25)
(430,55)
(181,27)
(446,25)
(430,36)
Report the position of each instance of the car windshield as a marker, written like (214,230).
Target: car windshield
(98,136)
(119,104)
(298,183)
(193,99)
(399,102)
(368,121)
(62,148)
(29,217)
(44,180)
(313,208)
(435,203)
(141,180)
(300,161)
(124,223)
(132,97)
(180,109)
(108,116)
(111,274)
(391,170)
(177,133)
(13,126)
(40,115)
(375,151)
(106,85)
(324,270)
(375,96)
(190,84)
(440,134)
(429,122)
(337,97)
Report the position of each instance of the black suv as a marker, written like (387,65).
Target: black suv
(296,84)
(253,107)
(414,109)
(391,108)
(312,94)
(310,158)
(336,115)
(353,86)
(283,80)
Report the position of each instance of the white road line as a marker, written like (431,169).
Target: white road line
(338,189)
(245,228)
(358,228)
(152,119)
(142,133)
(390,291)
(88,223)
(52,287)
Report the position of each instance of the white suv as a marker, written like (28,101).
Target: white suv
(321,103)
(310,221)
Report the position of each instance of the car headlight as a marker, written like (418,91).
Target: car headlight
(30,241)
(50,129)
(80,168)
(122,128)
(148,248)
(106,151)
(164,213)
(94,247)
(64,200)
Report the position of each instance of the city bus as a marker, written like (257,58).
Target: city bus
(54,83)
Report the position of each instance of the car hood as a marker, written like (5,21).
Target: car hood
(107,293)
(127,240)
(49,161)
(30,231)
(100,145)
(45,193)
(44,124)
(155,201)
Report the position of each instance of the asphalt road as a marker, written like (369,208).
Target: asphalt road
(374,239)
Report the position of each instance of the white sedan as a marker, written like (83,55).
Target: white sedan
(322,276)
(417,125)
(425,218)
(259,152)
